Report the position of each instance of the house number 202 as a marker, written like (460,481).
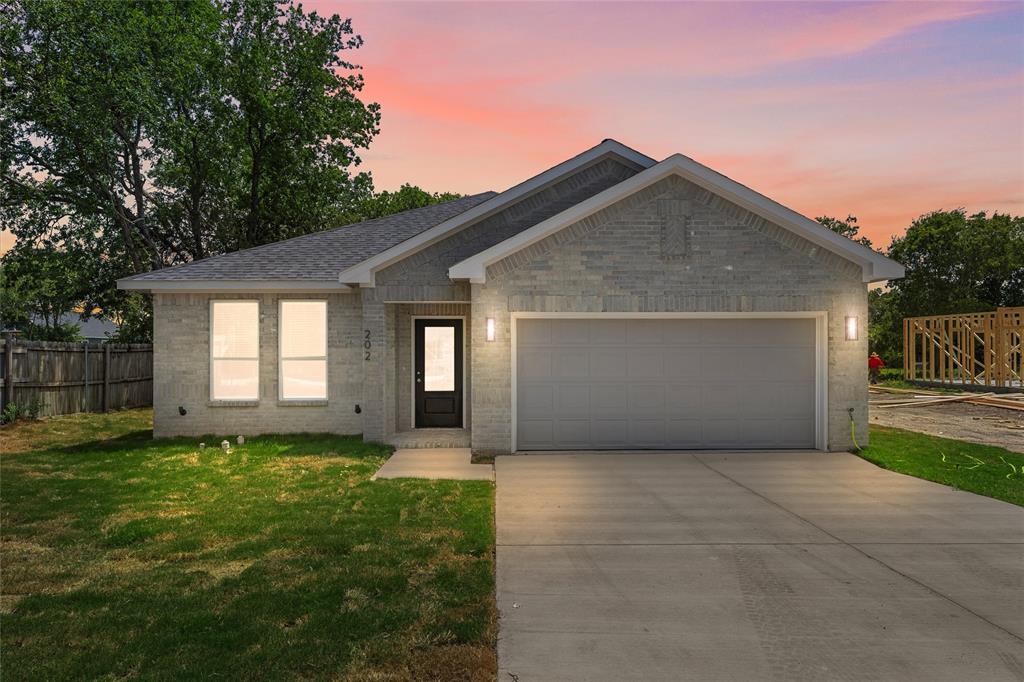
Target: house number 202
(366,343)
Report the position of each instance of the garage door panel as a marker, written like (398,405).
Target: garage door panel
(666,383)
(534,364)
(533,332)
(571,364)
(682,332)
(647,433)
(535,400)
(570,332)
(608,363)
(720,432)
(778,399)
(646,399)
(607,332)
(682,363)
(536,434)
(722,398)
(572,433)
(573,400)
(682,398)
(646,363)
(609,399)
(645,332)
(684,433)
(609,433)
(780,364)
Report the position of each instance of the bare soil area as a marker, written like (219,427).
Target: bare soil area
(963,421)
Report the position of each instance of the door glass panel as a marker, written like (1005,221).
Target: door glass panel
(439,358)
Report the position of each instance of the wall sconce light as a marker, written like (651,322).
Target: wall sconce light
(490,329)
(851,328)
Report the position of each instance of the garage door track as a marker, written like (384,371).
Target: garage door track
(742,566)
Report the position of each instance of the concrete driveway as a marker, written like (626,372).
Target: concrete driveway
(744,566)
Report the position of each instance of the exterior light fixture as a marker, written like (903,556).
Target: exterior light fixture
(490,329)
(851,328)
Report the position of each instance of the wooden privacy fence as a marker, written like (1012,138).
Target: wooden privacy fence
(983,349)
(68,377)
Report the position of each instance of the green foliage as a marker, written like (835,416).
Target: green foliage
(38,286)
(279,559)
(955,264)
(406,197)
(12,412)
(144,134)
(847,228)
(980,469)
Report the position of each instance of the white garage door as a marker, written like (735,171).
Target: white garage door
(665,383)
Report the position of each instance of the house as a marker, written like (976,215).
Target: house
(610,302)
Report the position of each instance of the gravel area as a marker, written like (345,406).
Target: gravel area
(963,421)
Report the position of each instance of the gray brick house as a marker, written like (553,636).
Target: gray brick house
(609,302)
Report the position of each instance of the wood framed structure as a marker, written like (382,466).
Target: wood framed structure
(982,349)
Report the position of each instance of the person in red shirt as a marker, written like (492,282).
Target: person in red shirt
(875,365)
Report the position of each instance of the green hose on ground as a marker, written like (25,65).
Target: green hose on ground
(853,430)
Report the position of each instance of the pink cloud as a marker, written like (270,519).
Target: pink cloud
(481,95)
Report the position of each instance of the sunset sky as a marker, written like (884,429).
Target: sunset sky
(882,110)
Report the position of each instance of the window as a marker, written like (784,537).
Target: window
(303,350)
(439,358)
(234,350)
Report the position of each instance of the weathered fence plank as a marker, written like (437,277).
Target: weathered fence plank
(68,377)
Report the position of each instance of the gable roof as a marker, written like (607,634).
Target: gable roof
(363,273)
(875,266)
(310,261)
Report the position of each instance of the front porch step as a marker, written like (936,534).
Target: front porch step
(430,438)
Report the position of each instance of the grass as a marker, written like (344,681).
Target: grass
(983,469)
(125,557)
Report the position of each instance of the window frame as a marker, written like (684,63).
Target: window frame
(213,359)
(325,357)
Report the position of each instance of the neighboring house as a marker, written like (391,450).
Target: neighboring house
(91,328)
(609,302)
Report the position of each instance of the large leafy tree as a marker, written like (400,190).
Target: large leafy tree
(38,288)
(956,263)
(157,132)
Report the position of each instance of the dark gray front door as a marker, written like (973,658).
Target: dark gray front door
(665,383)
(438,373)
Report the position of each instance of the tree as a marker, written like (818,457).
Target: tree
(405,198)
(848,228)
(38,287)
(155,133)
(955,264)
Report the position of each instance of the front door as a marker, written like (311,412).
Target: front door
(438,373)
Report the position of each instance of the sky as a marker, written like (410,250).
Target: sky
(881,110)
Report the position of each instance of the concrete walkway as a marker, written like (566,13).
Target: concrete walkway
(784,566)
(435,463)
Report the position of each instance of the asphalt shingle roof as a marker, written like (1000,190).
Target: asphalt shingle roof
(319,256)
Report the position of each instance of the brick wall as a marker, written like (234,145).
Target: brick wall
(181,369)
(614,261)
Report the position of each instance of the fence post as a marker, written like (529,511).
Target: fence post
(106,377)
(8,368)
(85,387)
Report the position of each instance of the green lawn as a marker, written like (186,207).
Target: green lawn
(125,557)
(983,469)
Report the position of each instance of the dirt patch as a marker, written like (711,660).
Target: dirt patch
(972,423)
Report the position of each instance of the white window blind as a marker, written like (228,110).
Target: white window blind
(303,350)
(234,350)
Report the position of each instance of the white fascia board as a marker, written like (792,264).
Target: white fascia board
(236,285)
(876,267)
(362,274)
